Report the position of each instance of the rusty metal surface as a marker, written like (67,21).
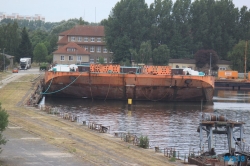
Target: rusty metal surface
(124,86)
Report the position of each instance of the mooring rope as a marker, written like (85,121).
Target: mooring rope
(44,93)
(48,86)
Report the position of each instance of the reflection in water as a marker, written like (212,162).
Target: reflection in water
(166,124)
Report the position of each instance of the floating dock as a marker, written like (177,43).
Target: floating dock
(232,84)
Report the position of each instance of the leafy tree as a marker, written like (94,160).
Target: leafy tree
(161,55)
(202,57)
(40,53)
(25,47)
(101,60)
(127,27)
(3,124)
(145,53)
(81,21)
(237,57)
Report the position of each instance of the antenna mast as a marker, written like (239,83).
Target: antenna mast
(245,59)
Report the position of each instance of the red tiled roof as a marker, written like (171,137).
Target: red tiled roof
(80,50)
(63,40)
(85,30)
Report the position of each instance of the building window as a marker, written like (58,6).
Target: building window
(71,58)
(92,48)
(73,38)
(91,61)
(105,50)
(92,39)
(86,39)
(79,58)
(222,68)
(99,39)
(79,39)
(62,58)
(98,49)
(97,60)
(86,48)
(71,49)
(105,60)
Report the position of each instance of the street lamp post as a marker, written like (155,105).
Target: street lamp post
(210,64)
(3,60)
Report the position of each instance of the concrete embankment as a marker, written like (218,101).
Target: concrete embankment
(52,136)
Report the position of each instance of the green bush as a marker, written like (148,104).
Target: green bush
(3,124)
(144,142)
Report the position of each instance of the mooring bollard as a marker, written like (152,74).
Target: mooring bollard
(157,149)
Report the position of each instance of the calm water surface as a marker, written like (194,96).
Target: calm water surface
(166,124)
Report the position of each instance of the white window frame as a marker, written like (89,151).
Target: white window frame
(92,39)
(99,39)
(97,60)
(86,39)
(79,58)
(71,57)
(79,39)
(73,38)
(71,49)
(98,49)
(62,58)
(86,48)
(92,49)
(105,50)
(91,60)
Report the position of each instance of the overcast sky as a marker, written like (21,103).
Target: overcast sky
(58,10)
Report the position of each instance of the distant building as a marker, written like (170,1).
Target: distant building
(16,16)
(191,63)
(71,53)
(91,39)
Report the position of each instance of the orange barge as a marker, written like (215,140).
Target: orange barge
(152,83)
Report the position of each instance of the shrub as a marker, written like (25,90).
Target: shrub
(144,142)
(3,124)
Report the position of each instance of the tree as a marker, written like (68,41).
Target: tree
(145,52)
(40,53)
(202,57)
(237,57)
(127,27)
(161,55)
(3,124)
(101,60)
(25,47)
(81,21)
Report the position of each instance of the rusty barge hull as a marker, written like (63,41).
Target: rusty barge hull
(129,86)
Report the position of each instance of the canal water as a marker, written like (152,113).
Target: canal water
(167,125)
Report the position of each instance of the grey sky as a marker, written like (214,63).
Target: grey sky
(58,10)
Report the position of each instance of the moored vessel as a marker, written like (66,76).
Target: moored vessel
(151,83)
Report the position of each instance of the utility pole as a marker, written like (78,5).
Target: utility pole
(3,60)
(210,65)
(245,60)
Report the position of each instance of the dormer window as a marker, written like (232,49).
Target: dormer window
(92,39)
(71,49)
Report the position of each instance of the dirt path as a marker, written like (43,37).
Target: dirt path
(89,146)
